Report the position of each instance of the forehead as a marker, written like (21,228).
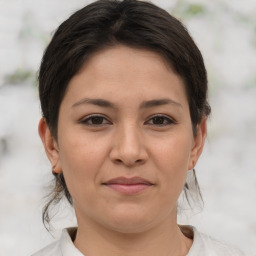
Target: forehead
(120,72)
(127,57)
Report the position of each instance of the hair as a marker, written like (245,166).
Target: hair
(106,23)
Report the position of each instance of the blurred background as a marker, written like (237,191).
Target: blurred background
(225,32)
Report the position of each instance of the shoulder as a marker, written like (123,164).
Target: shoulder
(205,245)
(62,247)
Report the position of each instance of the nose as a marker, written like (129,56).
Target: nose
(128,147)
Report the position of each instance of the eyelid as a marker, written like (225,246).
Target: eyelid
(171,121)
(86,118)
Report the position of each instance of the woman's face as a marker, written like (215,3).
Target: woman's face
(125,140)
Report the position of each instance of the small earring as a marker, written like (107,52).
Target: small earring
(54,172)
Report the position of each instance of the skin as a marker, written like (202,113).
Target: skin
(127,142)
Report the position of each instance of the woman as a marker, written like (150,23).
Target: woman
(123,91)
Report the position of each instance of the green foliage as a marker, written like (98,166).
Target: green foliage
(30,30)
(251,83)
(20,76)
(185,10)
(195,9)
(254,37)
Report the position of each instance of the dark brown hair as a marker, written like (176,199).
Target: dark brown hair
(106,23)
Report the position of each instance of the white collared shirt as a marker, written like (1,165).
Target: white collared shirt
(203,245)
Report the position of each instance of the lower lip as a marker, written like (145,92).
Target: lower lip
(129,189)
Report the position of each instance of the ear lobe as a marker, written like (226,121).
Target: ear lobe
(199,140)
(50,145)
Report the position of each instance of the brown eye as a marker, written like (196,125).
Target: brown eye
(95,120)
(161,120)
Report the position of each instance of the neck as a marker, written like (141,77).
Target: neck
(164,240)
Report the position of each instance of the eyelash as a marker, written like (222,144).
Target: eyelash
(169,120)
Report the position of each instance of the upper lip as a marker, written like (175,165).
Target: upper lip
(128,181)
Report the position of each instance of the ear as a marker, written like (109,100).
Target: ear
(198,144)
(50,145)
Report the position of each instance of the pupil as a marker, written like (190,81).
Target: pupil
(97,120)
(158,120)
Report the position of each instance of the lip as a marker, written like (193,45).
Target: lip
(128,186)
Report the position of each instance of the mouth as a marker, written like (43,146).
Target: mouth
(128,186)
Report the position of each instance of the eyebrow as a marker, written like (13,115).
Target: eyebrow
(143,105)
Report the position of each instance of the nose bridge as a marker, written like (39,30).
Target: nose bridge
(129,146)
(129,137)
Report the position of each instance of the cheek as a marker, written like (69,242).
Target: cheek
(173,152)
(81,159)
(172,158)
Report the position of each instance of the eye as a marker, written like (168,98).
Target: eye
(95,120)
(161,120)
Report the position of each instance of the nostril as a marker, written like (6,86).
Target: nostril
(130,163)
